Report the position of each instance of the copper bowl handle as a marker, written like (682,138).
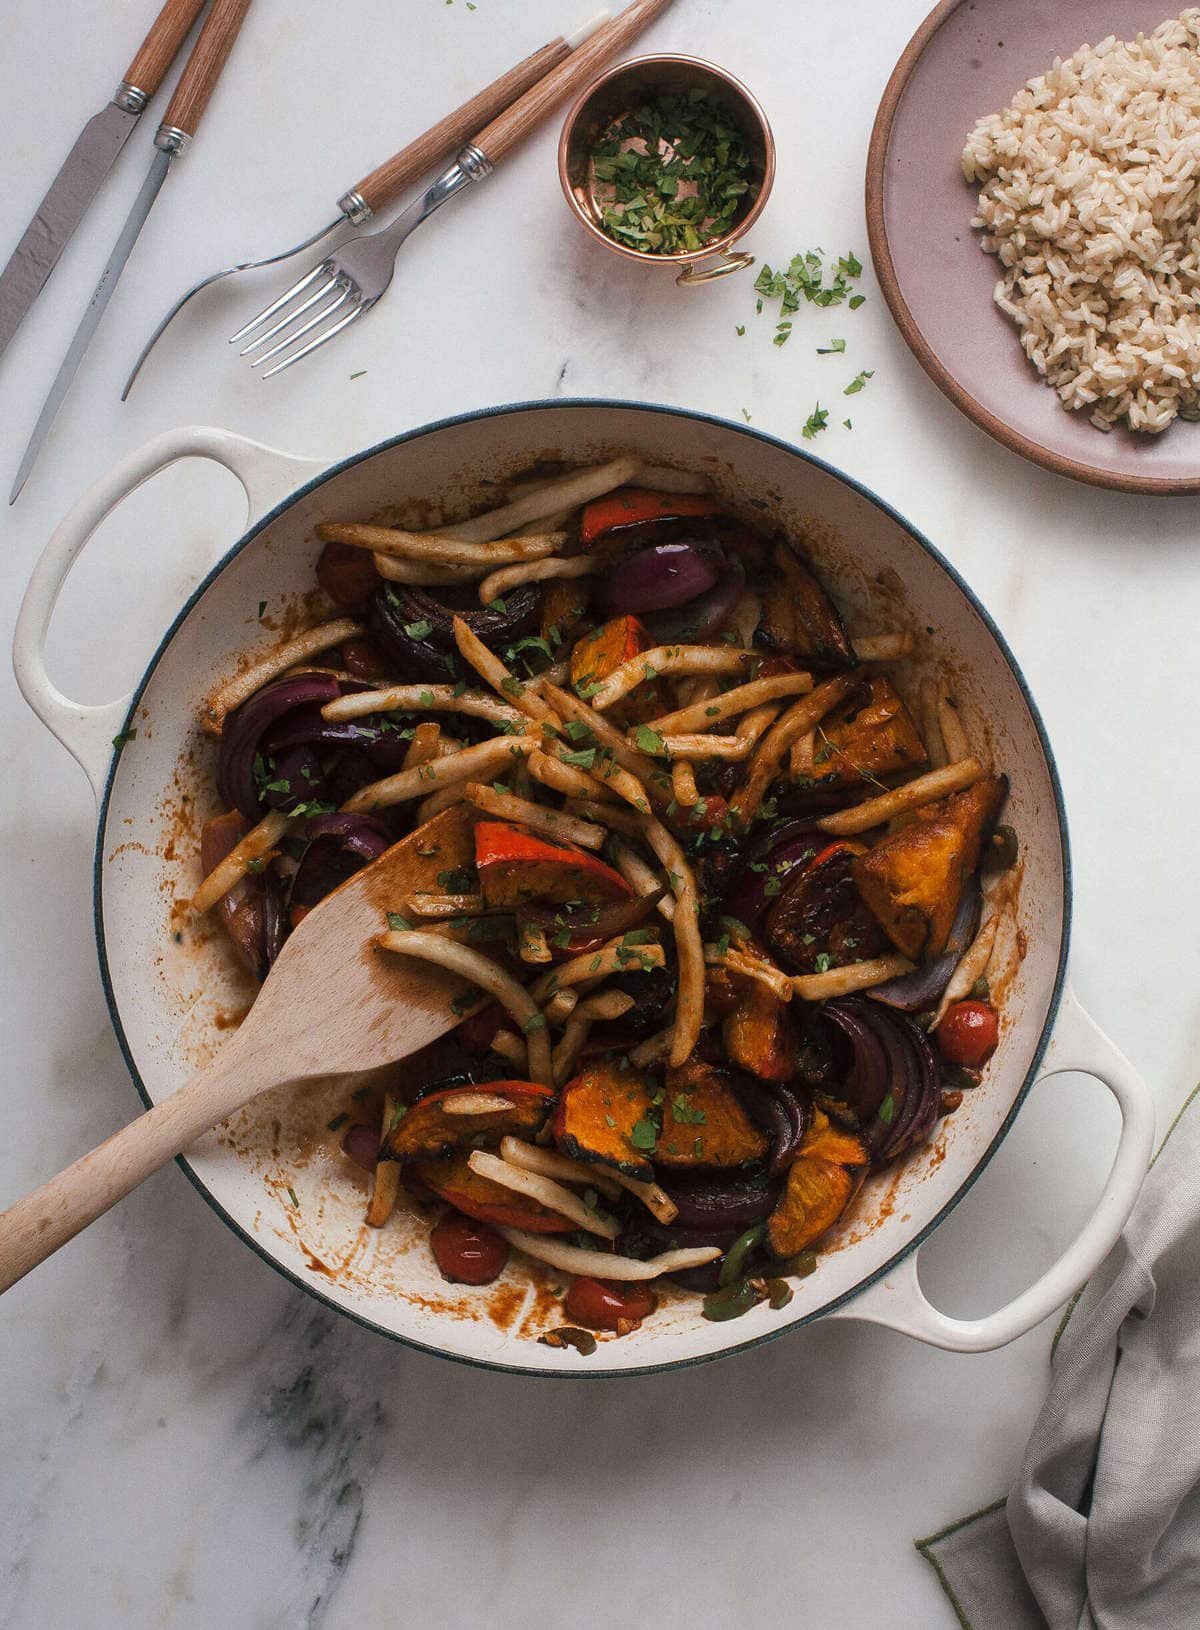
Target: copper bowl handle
(732,260)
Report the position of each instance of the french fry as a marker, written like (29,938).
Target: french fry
(481,759)
(925,789)
(553,822)
(731,703)
(488,976)
(242,686)
(424,698)
(821,987)
(670,659)
(440,549)
(254,851)
(499,583)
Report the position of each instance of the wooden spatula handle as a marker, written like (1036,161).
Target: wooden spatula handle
(444,139)
(203,68)
(157,51)
(35,1227)
(517,121)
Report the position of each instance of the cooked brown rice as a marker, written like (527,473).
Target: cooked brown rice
(1090,197)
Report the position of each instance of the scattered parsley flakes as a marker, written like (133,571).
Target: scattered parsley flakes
(359,374)
(817,420)
(828,350)
(858,382)
(856,300)
(746,415)
(293,1199)
(124,737)
(822,962)
(740,330)
(583,759)
(419,630)
(847,424)
(262,606)
(649,740)
(397,923)
(536,1021)
(804,279)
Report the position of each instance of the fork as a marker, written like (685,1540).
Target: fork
(344,286)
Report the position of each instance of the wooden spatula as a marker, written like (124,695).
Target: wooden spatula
(332,1005)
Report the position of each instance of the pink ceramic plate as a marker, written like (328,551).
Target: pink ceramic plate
(967,59)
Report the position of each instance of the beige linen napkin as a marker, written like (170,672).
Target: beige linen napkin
(1102,1528)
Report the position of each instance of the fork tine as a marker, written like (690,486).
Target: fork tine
(265,316)
(289,317)
(296,333)
(319,339)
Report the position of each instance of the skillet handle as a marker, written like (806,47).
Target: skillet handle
(87,730)
(898,1300)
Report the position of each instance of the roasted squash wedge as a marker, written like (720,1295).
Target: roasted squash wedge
(516,866)
(454,1181)
(758,1035)
(912,880)
(435,1125)
(563,605)
(865,739)
(798,617)
(821,1182)
(607,1115)
(704,1122)
(601,653)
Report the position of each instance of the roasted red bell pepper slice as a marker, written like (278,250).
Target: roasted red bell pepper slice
(516,866)
(633,506)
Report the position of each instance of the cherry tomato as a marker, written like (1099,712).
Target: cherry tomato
(363,660)
(467,1252)
(346,574)
(600,1305)
(968,1034)
(710,812)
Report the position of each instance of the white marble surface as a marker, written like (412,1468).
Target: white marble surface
(187,1441)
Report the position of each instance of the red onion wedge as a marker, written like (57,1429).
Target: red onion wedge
(416,631)
(657,579)
(339,846)
(243,731)
(704,615)
(361,1144)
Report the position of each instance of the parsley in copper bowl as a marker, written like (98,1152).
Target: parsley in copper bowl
(668,158)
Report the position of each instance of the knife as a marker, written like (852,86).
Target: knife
(188,102)
(86,166)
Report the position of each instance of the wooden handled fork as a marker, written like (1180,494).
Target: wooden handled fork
(346,284)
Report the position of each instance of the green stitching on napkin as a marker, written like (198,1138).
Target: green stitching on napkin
(924,1547)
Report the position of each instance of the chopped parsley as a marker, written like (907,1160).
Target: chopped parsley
(397,923)
(671,174)
(419,630)
(125,736)
(817,420)
(828,350)
(858,382)
(649,740)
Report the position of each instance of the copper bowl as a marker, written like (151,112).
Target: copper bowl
(613,94)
